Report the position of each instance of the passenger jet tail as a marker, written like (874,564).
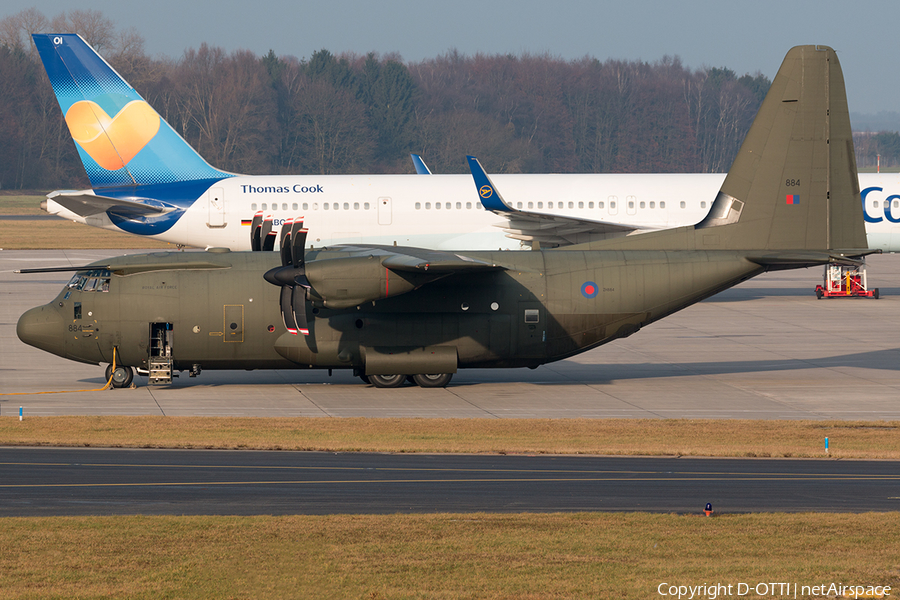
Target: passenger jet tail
(122,141)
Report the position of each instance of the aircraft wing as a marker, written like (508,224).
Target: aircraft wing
(547,229)
(410,259)
(85,204)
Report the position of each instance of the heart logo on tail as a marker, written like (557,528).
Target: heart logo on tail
(112,142)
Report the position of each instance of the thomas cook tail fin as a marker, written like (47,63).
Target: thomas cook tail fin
(794,184)
(120,138)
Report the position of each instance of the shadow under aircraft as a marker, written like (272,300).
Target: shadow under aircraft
(391,314)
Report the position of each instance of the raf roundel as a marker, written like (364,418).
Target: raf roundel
(589,289)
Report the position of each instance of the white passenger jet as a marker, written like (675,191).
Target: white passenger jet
(146,180)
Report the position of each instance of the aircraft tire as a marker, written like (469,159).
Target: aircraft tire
(122,377)
(433,380)
(387,381)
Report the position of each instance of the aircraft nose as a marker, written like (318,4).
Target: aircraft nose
(42,327)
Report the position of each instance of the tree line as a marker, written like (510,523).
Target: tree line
(346,113)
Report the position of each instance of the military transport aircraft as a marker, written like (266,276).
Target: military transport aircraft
(146,180)
(790,200)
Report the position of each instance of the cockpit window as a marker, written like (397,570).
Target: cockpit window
(96,280)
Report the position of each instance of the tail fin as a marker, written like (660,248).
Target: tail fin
(794,184)
(120,138)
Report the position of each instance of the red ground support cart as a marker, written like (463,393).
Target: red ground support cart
(845,282)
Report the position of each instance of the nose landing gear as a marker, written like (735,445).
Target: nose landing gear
(121,377)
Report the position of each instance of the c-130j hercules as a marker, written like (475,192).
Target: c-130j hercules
(791,200)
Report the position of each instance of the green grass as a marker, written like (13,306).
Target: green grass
(442,556)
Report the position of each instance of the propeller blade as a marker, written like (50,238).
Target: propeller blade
(255,232)
(286,242)
(269,241)
(297,251)
(287,312)
(298,303)
(266,230)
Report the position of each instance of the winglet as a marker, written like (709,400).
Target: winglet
(419,164)
(490,197)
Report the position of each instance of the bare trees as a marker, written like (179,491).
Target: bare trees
(346,113)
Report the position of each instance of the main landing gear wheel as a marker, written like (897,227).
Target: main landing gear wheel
(433,380)
(122,376)
(387,381)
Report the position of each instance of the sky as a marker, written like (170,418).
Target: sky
(748,37)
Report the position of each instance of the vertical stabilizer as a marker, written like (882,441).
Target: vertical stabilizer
(120,138)
(794,183)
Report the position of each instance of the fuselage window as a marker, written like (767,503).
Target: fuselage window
(652,204)
(366,206)
(518,205)
(468,205)
(437,206)
(305,206)
(264,206)
(600,205)
(324,206)
(346,206)
(612,204)
(682,204)
(428,206)
(549,205)
(294,206)
(336,206)
(316,206)
(356,205)
(458,205)
(418,206)
(642,204)
(253,206)
(581,205)
(703,205)
(631,204)
(447,206)
(662,204)
(590,205)
(571,205)
(540,205)
(896,203)
(531,205)
(875,204)
(284,206)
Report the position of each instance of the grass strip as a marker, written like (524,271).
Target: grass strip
(650,437)
(60,234)
(441,556)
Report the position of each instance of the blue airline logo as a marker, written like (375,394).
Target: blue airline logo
(888,214)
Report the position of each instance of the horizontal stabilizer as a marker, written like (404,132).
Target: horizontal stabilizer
(85,204)
(799,259)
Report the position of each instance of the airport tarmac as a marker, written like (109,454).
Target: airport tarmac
(766,349)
